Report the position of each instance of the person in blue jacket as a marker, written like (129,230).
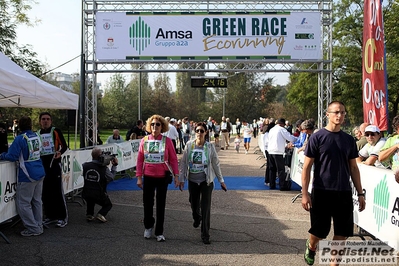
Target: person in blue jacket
(26,150)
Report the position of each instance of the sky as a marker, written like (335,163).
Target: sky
(57,37)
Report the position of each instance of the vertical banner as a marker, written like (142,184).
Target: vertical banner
(375,93)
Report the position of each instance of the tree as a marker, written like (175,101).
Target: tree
(12,14)
(116,107)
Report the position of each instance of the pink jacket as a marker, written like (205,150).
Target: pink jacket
(157,170)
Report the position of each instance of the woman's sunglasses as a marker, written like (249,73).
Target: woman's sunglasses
(200,131)
(156,124)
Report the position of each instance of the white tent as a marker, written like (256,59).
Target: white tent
(19,88)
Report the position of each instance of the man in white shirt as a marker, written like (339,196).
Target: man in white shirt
(172,132)
(278,137)
(369,153)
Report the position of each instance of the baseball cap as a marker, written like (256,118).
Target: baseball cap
(372,128)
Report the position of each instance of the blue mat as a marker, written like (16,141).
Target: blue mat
(232,183)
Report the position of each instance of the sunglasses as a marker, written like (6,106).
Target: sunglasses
(44,118)
(200,131)
(370,134)
(156,124)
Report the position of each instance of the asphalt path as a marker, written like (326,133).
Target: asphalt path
(261,227)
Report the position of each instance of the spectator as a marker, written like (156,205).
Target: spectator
(15,128)
(238,126)
(278,136)
(369,153)
(362,141)
(390,151)
(200,165)
(97,175)
(288,126)
(115,137)
(309,128)
(26,149)
(186,130)
(172,132)
(225,128)
(255,128)
(54,145)
(333,153)
(137,130)
(297,128)
(216,133)
(356,132)
(156,161)
(267,155)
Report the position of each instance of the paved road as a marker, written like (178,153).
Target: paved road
(247,228)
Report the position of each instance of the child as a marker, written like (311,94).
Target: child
(237,142)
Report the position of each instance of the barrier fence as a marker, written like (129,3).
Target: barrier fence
(71,164)
(380,218)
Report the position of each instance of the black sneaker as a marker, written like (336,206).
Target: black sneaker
(309,254)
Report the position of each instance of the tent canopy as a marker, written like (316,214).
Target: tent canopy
(19,88)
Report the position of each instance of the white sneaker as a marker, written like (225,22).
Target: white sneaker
(246,152)
(160,238)
(148,233)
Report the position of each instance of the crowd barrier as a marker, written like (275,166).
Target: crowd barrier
(381,216)
(71,163)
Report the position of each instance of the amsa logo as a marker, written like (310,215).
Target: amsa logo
(304,24)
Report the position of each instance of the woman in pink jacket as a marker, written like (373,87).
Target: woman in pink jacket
(156,166)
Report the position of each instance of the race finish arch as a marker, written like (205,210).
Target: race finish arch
(280,36)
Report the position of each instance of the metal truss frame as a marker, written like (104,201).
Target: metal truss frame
(92,67)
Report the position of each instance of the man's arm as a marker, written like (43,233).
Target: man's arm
(307,166)
(110,174)
(386,154)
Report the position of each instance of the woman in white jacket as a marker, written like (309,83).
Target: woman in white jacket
(200,165)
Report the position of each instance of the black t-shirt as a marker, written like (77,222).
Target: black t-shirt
(331,152)
(139,132)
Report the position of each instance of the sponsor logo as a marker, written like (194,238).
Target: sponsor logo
(106,26)
(304,24)
(110,41)
(380,202)
(310,47)
(139,34)
(298,47)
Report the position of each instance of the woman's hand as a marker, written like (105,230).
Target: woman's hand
(140,182)
(223,185)
(181,186)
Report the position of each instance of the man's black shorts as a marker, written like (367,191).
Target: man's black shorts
(327,204)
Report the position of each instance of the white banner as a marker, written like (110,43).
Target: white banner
(8,186)
(288,35)
(71,163)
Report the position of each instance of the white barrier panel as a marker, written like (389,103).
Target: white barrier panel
(8,185)
(71,164)
(381,216)
(297,161)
